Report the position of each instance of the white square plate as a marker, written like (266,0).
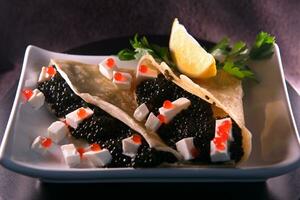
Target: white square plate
(267,114)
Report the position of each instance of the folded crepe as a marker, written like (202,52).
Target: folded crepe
(224,93)
(86,81)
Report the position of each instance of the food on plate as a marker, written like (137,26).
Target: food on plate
(190,58)
(163,109)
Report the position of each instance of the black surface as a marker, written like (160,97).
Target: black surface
(16,186)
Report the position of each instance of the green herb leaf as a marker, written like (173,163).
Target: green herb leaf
(233,60)
(223,45)
(238,48)
(237,71)
(126,54)
(263,46)
(141,46)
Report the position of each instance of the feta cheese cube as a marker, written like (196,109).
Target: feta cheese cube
(122,80)
(152,123)
(107,66)
(37,99)
(141,112)
(130,147)
(44,76)
(178,105)
(57,131)
(219,155)
(98,158)
(74,118)
(186,148)
(219,123)
(71,155)
(144,72)
(39,148)
(127,65)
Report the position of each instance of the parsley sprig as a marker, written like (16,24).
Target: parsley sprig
(140,46)
(234,59)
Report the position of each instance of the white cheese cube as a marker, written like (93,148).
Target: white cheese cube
(98,158)
(178,105)
(143,73)
(152,123)
(107,66)
(73,118)
(44,76)
(38,147)
(186,148)
(219,155)
(127,65)
(141,112)
(57,131)
(130,147)
(219,123)
(37,99)
(71,155)
(122,80)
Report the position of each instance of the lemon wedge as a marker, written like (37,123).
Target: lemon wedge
(190,58)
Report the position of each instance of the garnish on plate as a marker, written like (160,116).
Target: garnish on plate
(231,59)
(140,46)
(234,59)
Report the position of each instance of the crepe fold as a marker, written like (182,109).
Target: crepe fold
(223,92)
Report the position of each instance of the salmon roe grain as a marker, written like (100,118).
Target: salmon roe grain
(161,118)
(80,150)
(95,147)
(110,62)
(81,113)
(168,104)
(143,68)
(118,76)
(27,93)
(51,71)
(46,142)
(137,139)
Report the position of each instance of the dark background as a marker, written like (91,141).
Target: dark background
(62,25)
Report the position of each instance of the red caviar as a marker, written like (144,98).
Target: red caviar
(223,130)
(95,147)
(161,118)
(51,71)
(220,146)
(46,142)
(168,104)
(80,150)
(219,142)
(119,76)
(81,113)
(110,62)
(137,139)
(143,68)
(27,93)
(195,152)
